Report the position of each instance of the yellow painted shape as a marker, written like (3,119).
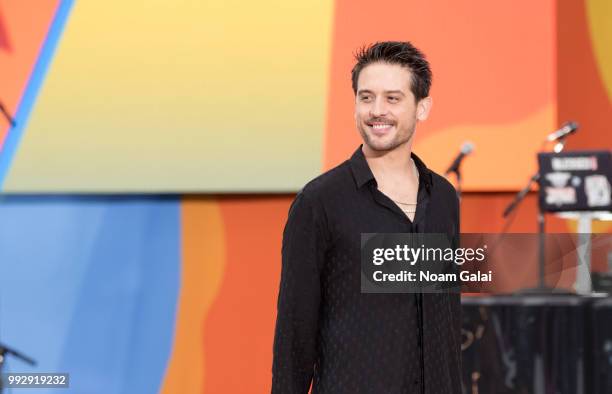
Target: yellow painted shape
(599,15)
(182,95)
(496,150)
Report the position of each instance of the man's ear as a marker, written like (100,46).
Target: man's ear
(423,108)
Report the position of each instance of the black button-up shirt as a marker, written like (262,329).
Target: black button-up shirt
(330,333)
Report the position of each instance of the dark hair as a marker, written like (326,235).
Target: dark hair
(396,52)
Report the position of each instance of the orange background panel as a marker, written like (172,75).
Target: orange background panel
(24,27)
(239,330)
(493,67)
(231,273)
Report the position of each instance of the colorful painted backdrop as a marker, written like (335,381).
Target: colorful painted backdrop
(176,293)
(148,96)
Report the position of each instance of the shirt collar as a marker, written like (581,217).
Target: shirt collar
(363,174)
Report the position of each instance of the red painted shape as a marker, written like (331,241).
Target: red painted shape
(5,44)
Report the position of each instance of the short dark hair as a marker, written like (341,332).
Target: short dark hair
(396,52)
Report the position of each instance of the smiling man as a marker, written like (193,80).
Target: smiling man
(328,333)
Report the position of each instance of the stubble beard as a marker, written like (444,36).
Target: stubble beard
(397,141)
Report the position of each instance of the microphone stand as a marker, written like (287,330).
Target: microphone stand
(541,288)
(520,196)
(456,169)
(8,117)
(4,351)
(457,173)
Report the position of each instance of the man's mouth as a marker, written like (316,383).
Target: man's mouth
(380,127)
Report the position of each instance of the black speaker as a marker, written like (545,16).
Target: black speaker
(601,321)
(525,344)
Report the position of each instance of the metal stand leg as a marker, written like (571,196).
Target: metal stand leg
(583,283)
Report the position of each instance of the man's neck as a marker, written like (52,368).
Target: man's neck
(392,164)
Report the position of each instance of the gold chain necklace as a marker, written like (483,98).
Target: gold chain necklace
(411,204)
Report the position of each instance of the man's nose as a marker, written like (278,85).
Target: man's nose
(378,108)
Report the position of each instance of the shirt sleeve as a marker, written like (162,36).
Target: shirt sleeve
(299,296)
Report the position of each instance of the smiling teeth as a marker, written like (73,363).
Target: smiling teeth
(381,126)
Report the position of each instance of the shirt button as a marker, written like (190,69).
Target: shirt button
(416,382)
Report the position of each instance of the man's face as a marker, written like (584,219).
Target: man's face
(385,109)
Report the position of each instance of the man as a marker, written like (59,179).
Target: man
(327,331)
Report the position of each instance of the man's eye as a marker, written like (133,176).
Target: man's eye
(365,98)
(393,99)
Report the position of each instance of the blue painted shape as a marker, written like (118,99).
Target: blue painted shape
(89,286)
(12,139)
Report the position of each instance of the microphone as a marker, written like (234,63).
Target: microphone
(466,148)
(565,130)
